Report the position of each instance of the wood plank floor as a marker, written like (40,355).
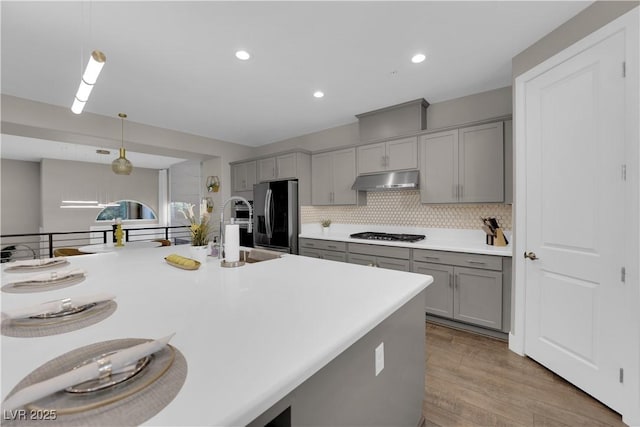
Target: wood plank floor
(472,380)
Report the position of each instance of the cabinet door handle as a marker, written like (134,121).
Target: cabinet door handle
(461,191)
(455,281)
(450,280)
(331,247)
(431,257)
(470,261)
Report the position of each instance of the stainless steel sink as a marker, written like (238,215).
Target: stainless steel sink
(258,255)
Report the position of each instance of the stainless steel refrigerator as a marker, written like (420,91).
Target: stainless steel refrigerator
(275,216)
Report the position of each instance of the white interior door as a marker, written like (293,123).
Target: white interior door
(574,114)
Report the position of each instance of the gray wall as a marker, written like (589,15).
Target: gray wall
(61,179)
(20,187)
(472,108)
(586,22)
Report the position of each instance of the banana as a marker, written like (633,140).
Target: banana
(180,260)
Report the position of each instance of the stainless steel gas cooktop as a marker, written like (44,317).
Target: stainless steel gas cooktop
(370,235)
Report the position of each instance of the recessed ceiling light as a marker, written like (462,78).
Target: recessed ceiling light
(243,55)
(318,94)
(418,58)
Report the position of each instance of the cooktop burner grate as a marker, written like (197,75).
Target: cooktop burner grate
(370,235)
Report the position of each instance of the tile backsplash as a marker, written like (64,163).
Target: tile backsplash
(403,207)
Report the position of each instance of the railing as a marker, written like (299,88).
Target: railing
(42,245)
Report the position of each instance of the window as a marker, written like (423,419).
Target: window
(129,210)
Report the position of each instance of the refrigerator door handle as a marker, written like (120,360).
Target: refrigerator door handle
(272,213)
(267,212)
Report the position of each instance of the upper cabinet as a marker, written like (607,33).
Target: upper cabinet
(244,176)
(332,175)
(393,155)
(463,165)
(284,166)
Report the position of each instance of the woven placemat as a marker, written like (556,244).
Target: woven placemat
(34,328)
(131,410)
(17,288)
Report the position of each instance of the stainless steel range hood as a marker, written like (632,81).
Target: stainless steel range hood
(387,181)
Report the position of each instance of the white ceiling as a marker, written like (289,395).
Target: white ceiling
(172,64)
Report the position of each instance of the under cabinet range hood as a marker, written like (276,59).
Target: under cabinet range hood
(403,180)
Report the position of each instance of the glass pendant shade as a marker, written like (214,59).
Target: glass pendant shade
(122,166)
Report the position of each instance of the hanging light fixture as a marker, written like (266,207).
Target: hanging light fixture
(89,78)
(122,166)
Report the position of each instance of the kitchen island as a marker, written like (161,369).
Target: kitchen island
(293,336)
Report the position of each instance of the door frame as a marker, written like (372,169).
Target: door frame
(630,249)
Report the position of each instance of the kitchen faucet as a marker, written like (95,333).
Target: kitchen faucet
(249,225)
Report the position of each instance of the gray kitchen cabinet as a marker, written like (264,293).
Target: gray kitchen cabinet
(322,179)
(362,259)
(478,297)
(469,288)
(323,249)
(439,294)
(284,166)
(393,263)
(439,167)
(463,165)
(392,258)
(332,175)
(244,176)
(267,169)
(388,156)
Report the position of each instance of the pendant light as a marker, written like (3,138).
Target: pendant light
(89,78)
(122,166)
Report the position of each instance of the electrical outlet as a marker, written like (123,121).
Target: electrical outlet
(379,358)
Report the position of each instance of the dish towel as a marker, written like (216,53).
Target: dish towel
(55,306)
(100,368)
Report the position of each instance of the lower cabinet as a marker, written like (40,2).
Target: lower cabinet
(323,249)
(392,258)
(471,295)
(439,294)
(477,297)
(468,289)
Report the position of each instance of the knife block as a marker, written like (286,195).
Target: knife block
(499,239)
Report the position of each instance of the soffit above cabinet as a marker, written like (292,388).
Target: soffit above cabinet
(393,121)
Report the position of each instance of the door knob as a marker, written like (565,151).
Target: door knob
(531,255)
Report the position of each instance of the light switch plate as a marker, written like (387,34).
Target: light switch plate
(379,358)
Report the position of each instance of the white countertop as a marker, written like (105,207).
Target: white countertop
(250,335)
(442,239)
(110,247)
